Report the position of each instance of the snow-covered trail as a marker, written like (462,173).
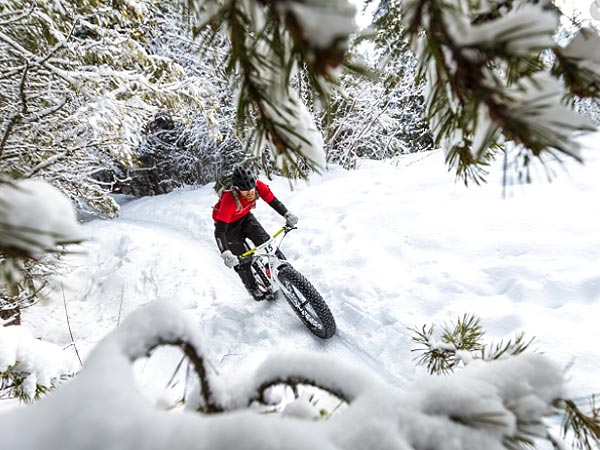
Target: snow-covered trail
(390,248)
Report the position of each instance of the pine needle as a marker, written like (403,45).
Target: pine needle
(584,426)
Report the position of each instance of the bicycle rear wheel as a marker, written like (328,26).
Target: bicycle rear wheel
(307,303)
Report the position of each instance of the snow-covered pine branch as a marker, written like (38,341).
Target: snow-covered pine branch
(29,367)
(460,342)
(460,345)
(578,63)
(488,83)
(35,218)
(270,41)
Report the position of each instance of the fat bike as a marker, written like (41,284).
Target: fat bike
(274,274)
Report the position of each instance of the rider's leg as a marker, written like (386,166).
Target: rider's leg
(243,270)
(252,229)
(257,234)
(245,274)
(236,243)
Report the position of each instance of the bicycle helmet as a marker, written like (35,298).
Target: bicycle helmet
(243,178)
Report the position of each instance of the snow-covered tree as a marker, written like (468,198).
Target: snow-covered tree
(190,145)
(379,116)
(77,88)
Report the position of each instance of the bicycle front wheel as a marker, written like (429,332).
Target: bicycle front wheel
(307,303)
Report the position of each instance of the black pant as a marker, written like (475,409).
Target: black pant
(236,234)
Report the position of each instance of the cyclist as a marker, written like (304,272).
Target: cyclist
(234,223)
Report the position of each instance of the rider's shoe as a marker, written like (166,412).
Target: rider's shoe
(257,293)
(270,296)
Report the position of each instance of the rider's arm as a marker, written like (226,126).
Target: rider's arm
(223,216)
(220,235)
(269,197)
(278,206)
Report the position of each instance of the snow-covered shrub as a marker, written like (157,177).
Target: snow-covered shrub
(193,142)
(174,154)
(29,367)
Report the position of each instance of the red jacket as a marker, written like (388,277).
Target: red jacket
(226,209)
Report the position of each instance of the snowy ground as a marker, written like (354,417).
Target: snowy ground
(389,247)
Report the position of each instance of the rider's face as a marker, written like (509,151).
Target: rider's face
(248,195)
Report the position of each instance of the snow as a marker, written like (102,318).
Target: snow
(390,247)
(513,392)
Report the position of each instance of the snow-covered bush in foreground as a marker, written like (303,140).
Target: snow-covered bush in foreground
(30,367)
(488,405)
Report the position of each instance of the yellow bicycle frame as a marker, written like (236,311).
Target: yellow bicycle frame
(252,250)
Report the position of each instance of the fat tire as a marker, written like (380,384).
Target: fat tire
(288,275)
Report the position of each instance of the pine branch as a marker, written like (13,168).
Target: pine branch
(466,334)
(460,342)
(584,426)
(269,44)
(510,347)
(436,357)
(293,382)
(208,403)
(489,81)
(13,384)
